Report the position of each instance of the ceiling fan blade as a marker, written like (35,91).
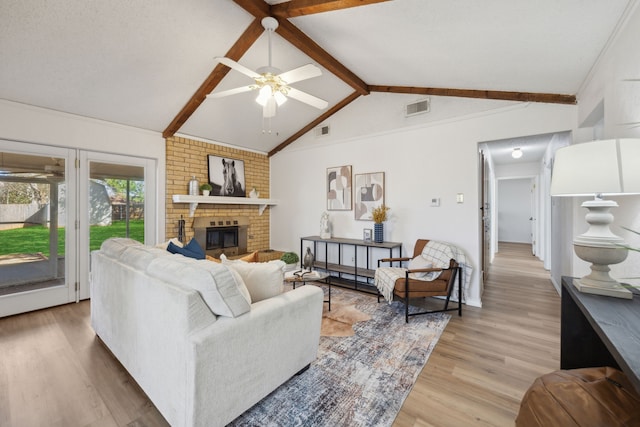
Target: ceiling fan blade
(230,92)
(307,99)
(301,73)
(234,65)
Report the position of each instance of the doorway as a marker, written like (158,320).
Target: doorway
(58,204)
(532,163)
(516,212)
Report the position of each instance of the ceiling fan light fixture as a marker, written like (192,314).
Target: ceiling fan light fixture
(280,98)
(516,153)
(264,95)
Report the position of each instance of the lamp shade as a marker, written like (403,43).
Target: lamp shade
(630,160)
(607,167)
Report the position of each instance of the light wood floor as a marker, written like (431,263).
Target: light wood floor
(486,359)
(53,371)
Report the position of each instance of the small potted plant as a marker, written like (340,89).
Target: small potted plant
(291,259)
(379,215)
(206,189)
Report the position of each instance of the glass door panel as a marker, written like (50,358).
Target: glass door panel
(116,200)
(34,236)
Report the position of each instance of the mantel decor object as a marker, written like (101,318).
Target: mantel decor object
(598,168)
(194,186)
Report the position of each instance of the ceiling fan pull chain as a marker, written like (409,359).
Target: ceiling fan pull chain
(269,41)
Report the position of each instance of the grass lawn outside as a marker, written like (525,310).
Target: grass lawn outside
(36,239)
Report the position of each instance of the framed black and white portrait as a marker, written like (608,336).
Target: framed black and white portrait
(226,176)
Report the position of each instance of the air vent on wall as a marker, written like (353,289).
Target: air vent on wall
(322,131)
(418,107)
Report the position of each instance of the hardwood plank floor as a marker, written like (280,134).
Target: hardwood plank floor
(54,372)
(486,360)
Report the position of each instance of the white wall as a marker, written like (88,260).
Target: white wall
(514,210)
(421,161)
(607,86)
(24,123)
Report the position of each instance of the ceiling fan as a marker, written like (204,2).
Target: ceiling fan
(272,84)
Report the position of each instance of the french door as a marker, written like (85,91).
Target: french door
(118,193)
(56,206)
(38,239)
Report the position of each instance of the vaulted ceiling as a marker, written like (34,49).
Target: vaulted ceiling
(151,64)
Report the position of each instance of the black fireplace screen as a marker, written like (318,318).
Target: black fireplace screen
(222,237)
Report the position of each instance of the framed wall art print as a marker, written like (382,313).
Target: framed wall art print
(339,188)
(369,194)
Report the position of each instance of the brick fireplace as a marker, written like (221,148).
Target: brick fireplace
(187,157)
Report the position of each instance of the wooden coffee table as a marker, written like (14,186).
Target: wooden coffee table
(311,277)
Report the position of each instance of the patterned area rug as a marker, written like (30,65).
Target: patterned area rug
(358,380)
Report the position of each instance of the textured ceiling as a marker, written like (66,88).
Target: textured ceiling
(138,63)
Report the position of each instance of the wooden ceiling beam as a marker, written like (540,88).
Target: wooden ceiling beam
(257,8)
(340,105)
(243,44)
(295,8)
(549,98)
(293,35)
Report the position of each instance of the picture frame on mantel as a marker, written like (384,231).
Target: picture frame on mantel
(339,188)
(226,176)
(369,194)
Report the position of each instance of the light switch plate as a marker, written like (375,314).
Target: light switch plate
(460,198)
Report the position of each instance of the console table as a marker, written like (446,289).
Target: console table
(339,268)
(600,331)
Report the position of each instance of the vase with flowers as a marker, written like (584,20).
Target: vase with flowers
(379,215)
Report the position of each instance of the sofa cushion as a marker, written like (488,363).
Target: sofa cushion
(140,256)
(218,286)
(263,279)
(115,246)
(191,249)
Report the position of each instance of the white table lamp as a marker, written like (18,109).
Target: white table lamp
(598,168)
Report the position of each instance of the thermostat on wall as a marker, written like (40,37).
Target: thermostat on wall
(435,202)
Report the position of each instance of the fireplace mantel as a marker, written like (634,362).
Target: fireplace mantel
(220,200)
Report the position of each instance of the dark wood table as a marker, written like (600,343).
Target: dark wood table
(600,331)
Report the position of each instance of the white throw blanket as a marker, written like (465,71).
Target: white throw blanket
(439,253)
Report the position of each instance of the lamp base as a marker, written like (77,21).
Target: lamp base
(599,246)
(592,287)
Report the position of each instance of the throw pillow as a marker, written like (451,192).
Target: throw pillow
(191,250)
(252,257)
(263,279)
(418,263)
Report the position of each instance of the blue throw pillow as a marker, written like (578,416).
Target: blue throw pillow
(191,250)
(195,247)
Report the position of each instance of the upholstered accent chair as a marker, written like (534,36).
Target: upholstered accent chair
(422,278)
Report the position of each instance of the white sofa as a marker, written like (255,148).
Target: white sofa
(155,313)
